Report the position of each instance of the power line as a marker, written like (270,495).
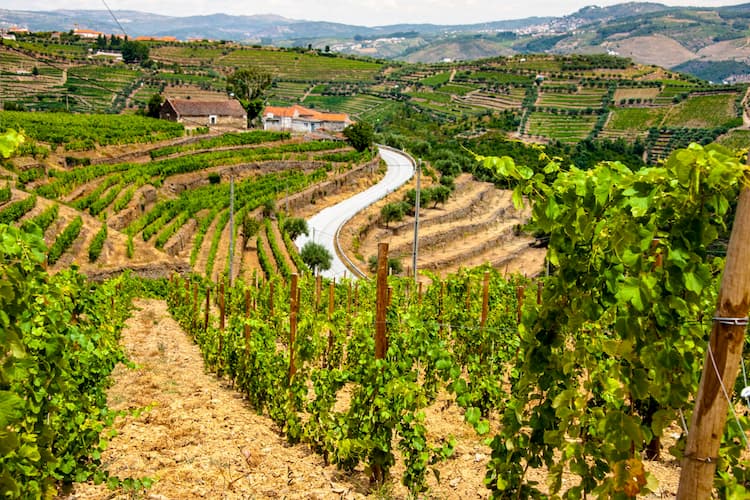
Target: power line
(115,18)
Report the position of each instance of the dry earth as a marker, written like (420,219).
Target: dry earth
(476,226)
(198,438)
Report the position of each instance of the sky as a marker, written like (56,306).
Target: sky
(358,12)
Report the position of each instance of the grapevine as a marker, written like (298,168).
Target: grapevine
(64,240)
(615,351)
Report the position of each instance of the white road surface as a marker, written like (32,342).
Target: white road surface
(324,225)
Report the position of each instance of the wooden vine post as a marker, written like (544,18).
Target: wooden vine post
(381,340)
(723,358)
(293,301)
(331,291)
(247,315)
(441,301)
(520,293)
(222,320)
(420,294)
(208,307)
(196,306)
(222,311)
(270,298)
(485,299)
(381,304)
(539,290)
(318,286)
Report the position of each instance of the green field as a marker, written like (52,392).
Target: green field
(561,127)
(736,139)
(83,132)
(435,80)
(455,89)
(635,119)
(286,65)
(584,98)
(703,111)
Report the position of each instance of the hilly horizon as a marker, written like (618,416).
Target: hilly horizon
(708,42)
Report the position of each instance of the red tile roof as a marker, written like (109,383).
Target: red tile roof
(302,112)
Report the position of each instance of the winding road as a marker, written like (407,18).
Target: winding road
(324,226)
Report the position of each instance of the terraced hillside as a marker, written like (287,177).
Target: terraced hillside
(166,205)
(478,225)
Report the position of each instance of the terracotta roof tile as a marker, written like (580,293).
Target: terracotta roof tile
(302,112)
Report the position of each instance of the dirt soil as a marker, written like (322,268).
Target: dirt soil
(198,437)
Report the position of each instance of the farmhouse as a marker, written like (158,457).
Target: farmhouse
(194,113)
(300,119)
(87,34)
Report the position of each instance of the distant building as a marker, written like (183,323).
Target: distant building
(194,113)
(87,34)
(300,119)
(156,39)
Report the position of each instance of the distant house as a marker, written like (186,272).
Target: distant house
(87,34)
(156,39)
(194,113)
(300,119)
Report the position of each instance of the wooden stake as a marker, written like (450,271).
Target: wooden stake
(381,304)
(485,298)
(539,289)
(247,315)
(318,286)
(331,290)
(420,294)
(208,306)
(293,297)
(468,294)
(723,357)
(442,298)
(196,306)
(331,296)
(520,293)
(270,298)
(222,311)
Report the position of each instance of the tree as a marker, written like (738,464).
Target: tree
(248,85)
(439,194)
(360,135)
(316,256)
(392,212)
(295,226)
(154,106)
(134,52)
(250,227)
(269,207)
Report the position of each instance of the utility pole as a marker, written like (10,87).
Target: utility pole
(231,228)
(721,365)
(416,222)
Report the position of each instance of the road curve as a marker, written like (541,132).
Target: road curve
(324,226)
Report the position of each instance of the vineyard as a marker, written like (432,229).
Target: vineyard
(551,344)
(352,372)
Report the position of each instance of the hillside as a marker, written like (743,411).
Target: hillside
(649,33)
(168,204)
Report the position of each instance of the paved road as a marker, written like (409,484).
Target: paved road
(324,225)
